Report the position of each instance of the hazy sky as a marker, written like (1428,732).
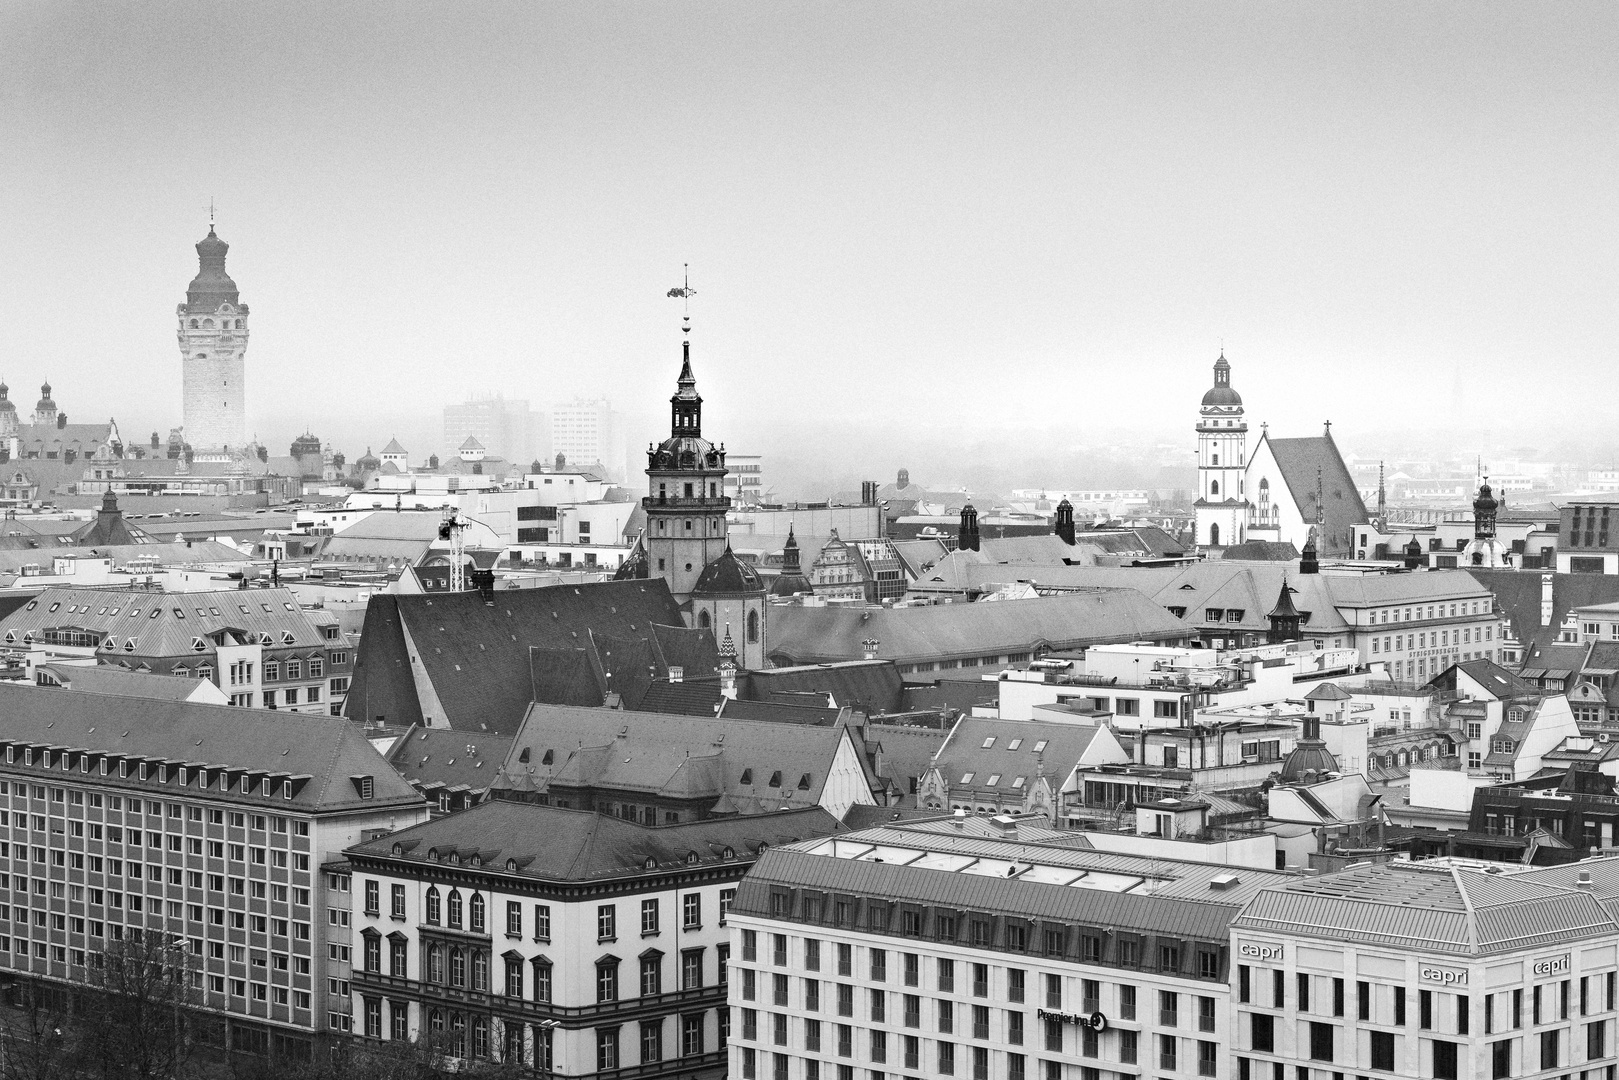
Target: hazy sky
(899,217)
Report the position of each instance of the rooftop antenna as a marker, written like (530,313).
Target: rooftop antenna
(210,213)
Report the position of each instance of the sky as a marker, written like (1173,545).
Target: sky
(918,233)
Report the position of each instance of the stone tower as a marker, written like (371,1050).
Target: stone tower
(213,349)
(1222,460)
(685,504)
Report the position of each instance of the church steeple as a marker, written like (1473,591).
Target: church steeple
(1284,617)
(686,407)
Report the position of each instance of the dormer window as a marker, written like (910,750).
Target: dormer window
(775,779)
(747,776)
(198,645)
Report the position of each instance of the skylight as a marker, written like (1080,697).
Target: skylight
(1040,747)
(1014,744)
(967,777)
(989,742)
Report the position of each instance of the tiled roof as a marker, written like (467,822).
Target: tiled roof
(194,553)
(1431,909)
(677,756)
(552,844)
(440,758)
(166,624)
(804,635)
(1518,595)
(108,679)
(1016,750)
(1488,674)
(475,655)
(871,686)
(321,755)
(1301,462)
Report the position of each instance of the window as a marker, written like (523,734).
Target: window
(1262,1032)
(606,980)
(373,897)
(1320,1042)
(606,923)
(691,911)
(649,917)
(1382,1050)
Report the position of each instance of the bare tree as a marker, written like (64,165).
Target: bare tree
(40,1043)
(140,992)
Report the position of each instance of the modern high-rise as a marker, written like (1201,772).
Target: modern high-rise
(507,427)
(213,352)
(588,432)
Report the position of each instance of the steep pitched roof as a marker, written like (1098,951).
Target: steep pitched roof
(871,686)
(1301,461)
(109,679)
(320,756)
(1488,674)
(1519,596)
(475,655)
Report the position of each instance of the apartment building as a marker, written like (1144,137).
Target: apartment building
(128,817)
(981,948)
(569,942)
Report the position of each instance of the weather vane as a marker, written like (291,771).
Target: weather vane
(685,292)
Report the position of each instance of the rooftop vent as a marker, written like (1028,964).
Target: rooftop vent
(1221,882)
(1582,880)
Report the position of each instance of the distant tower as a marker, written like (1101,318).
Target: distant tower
(213,348)
(45,411)
(1284,618)
(1222,460)
(1065,521)
(967,538)
(1485,551)
(686,501)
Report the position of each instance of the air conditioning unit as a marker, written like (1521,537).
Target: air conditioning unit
(1603,736)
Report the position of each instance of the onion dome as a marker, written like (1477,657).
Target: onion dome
(1486,503)
(306,443)
(368,461)
(6,404)
(212,286)
(45,402)
(1221,395)
(727,575)
(1308,760)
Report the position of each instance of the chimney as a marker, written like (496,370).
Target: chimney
(868,648)
(959,819)
(1582,880)
(1547,581)
(677,673)
(868,493)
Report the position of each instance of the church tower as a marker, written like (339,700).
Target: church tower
(686,502)
(213,347)
(1222,461)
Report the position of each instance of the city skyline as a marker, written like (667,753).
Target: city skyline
(1371,194)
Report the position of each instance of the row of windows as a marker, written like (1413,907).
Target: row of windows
(230,780)
(480,1037)
(985,931)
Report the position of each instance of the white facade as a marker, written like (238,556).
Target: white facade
(586,432)
(1222,457)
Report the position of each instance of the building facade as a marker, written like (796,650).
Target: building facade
(213,353)
(566,941)
(191,822)
(1222,459)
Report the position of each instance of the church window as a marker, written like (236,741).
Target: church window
(688,524)
(688,491)
(1214,535)
(753,626)
(1214,487)
(1216,459)
(703,620)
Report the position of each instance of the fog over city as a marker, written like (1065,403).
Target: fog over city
(985,242)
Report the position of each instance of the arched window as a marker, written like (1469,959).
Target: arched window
(458,967)
(193,324)
(455,908)
(1214,487)
(480,971)
(753,627)
(458,1035)
(480,1036)
(703,621)
(1214,535)
(435,1019)
(432,905)
(475,915)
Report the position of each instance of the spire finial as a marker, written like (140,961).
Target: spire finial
(685,292)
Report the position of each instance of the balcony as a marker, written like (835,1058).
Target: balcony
(696,502)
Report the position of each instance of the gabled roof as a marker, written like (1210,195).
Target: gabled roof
(1429,909)
(871,686)
(673,756)
(1301,462)
(552,844)
(393,447)
(1518,594)
(1492,677)
(476,655)
(322,756)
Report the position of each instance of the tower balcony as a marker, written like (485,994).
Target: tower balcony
(681,502)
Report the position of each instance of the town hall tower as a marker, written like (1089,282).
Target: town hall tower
(213,348)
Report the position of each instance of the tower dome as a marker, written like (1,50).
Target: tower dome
(212,286)
(727,574)
(45,401)
(1221,395)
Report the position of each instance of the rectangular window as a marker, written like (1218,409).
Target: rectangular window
(606,923)
(649,919)
(691,911)
(1320,1042)
(1383,1050)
